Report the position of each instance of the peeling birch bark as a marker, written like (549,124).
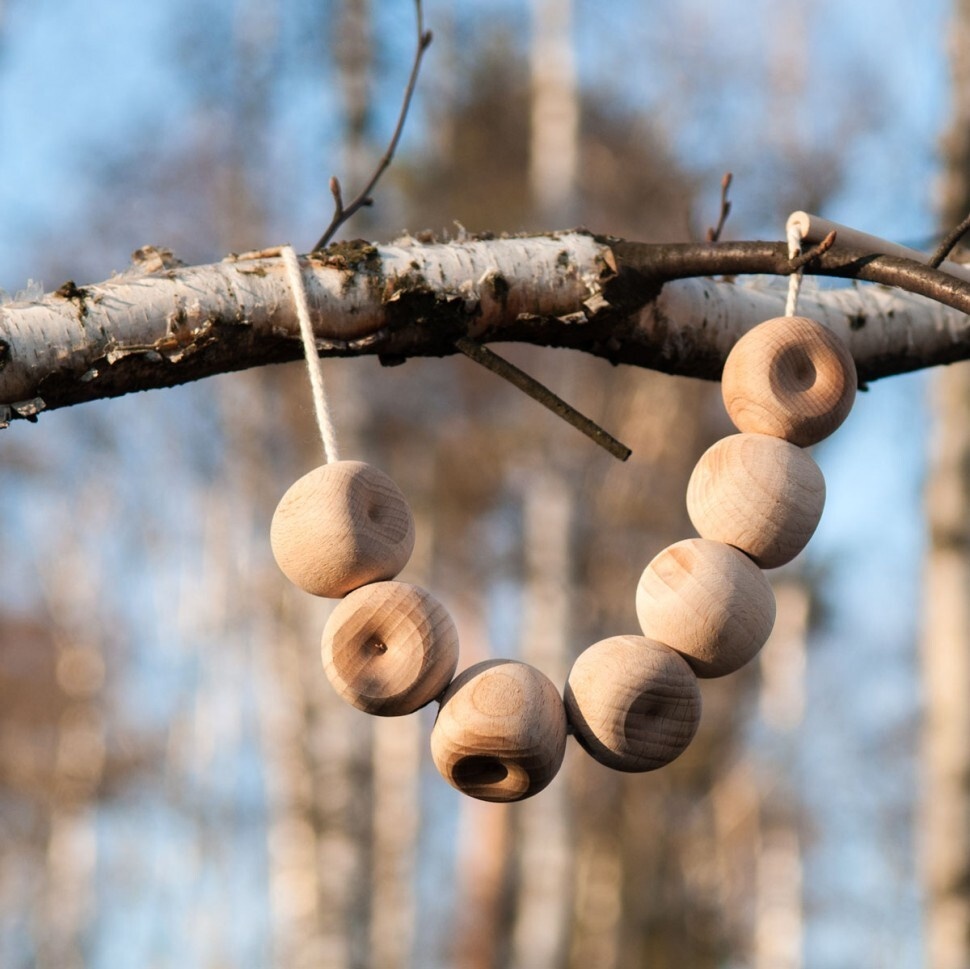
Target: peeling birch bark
(148,329)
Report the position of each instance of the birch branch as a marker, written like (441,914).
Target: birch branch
(656,306)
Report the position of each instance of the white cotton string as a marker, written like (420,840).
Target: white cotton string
(320,407)
(794,234)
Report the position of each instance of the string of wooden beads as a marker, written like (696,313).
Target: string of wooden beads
(704,605)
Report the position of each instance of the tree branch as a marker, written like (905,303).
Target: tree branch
(340,213)
(616,299)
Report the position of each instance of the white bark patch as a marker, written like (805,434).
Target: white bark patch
(875,321)
(502,279)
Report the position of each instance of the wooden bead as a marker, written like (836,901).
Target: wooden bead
(500,734)
(709,602)
(759,494)
(390,648)
(789,377)
(341,526)
(634,704)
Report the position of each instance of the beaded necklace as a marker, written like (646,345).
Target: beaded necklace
(705,608)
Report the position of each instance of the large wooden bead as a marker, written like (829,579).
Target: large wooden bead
(789,377)
(341,526)
(390,648)
(708,601)
(500,734)
(759,494)
(634,704)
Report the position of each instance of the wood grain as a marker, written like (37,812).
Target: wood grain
(634,704)
(709,602)
(341,526)
(789,377)
(500,734)
(758,493)
(390,648)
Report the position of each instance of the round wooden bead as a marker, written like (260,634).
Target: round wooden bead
(789,377)
(341,526)
(709,602)
(500,734)
(390,648)
(634,704)
(759,494)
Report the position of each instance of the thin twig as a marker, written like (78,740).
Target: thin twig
(804,258)
(341,213)
(713,234)
(952,238)
(531,386)
(338,203)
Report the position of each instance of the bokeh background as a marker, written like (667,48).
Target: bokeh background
(178,784)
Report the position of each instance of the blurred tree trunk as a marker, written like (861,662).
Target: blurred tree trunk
(555,113)
(946,625)
(946,676)
(69,905)
(778,919)
(354,57)
(544,843)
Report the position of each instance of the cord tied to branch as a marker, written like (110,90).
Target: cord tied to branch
(793,233)
(321,408)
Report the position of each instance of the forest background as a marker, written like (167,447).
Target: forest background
(178,786)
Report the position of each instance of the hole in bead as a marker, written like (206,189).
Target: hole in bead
(377,646)
(794,371)
(389,518)
(640,718)
(478,771)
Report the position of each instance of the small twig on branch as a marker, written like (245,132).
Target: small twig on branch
(342,214)
(714,233)
(946,246)
(812,254)
(338,202)
(532,387)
